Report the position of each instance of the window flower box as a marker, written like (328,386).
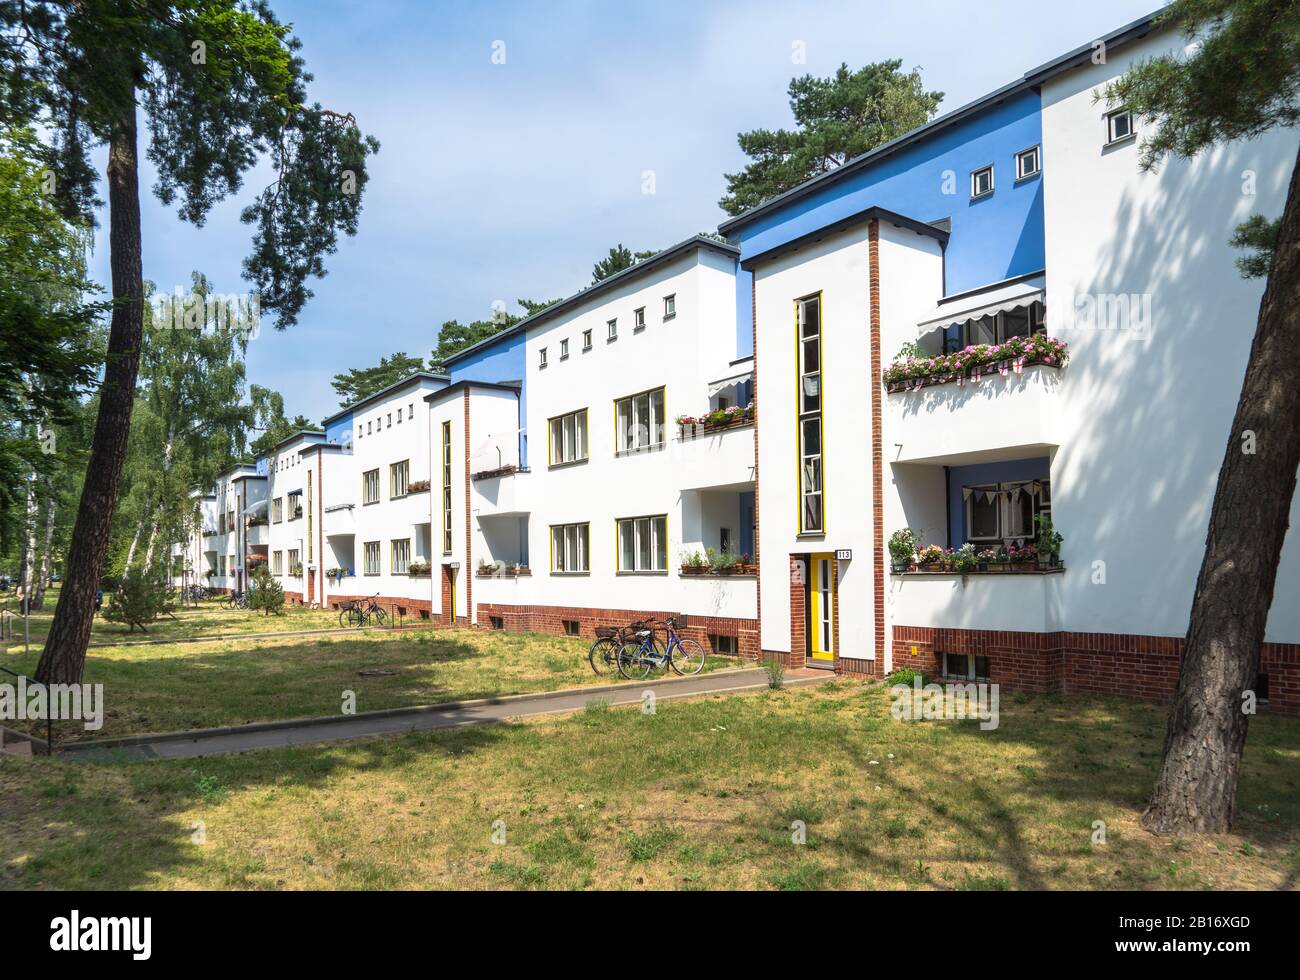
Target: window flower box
(719,419)
(419,569)
(976,361)
(506,470)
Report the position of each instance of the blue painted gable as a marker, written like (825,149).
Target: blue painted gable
(497,363)
(996,237)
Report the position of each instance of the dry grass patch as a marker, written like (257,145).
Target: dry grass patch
(702,794)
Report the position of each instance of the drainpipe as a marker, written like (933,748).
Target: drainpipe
(320,527)
(947,505)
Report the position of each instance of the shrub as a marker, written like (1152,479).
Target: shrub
(141,597)
(902,546)
(907,676)
(775,670)
(267,594)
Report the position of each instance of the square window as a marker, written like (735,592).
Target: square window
(957,665)
(571,627)
(981,182)
(1028,163)
(638,319)
(1119,125)
(670,306)
(611,327)
(725,645)
(498,622)
(586,340)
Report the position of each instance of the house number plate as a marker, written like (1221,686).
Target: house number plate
(844,554)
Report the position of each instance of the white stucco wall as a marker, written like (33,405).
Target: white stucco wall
(1147,412)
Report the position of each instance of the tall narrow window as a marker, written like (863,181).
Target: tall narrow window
(811,518)
(309,535)
(639,421)
(643,544)
(446,488)
(370,487)
(372,558)
(569,438)
(399,556)
(570,548)
(399,475)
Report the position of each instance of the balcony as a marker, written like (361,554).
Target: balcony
(502,494)
(976,419)
(1026,602)
(714,456)
(259,534)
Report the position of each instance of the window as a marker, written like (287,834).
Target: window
(964,666)
(638,319)
(399,416)
(390,420)
(811,518)
(724,645)
(446,488)
(586,340)
(998,513)
(277,563)
(611,329)
(370,486)
(221,523)
(670,306)
(998,328)
(497,622)
(571,627)
(295,505)
(221,565)
(570,548)
(568,438)
(277,510)
(1028,163)
(981,182)
(371,558)
(399,556)
(410,410)
(368,425)
(639,421)
(564,349)
(643,544)
(541,358)
(295,563)
(399,475)
(1119,125)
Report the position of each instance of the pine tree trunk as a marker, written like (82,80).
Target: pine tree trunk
(1196,790)
(65,647)
(43,579)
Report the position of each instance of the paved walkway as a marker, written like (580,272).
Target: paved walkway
(265,735)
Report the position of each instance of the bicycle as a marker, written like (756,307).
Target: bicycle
(235,600)
(603,655)
(358,612)
(637,661)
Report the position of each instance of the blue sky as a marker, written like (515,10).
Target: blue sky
(497,181)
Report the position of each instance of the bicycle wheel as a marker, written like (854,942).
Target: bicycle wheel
(688,657)
(634,661)
(381,617)
(345,617)
(603,656)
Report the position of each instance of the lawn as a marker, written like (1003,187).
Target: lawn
(207,619)
(702,794)
(174,686)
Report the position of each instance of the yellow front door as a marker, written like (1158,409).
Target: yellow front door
(821,609)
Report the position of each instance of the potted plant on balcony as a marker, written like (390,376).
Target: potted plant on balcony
(418,486)
(929,558)
(694,564)
(519,568)
(1049,542)
(419,569)
(902,549)
(297,512)
(296,570)
(721,562)
(964,561)
(987,559)
(1023,558)
(746,565)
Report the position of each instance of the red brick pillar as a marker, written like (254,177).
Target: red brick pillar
(798,606)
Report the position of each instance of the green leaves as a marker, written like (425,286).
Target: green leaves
(838,118)
(358,383)
(1240,79)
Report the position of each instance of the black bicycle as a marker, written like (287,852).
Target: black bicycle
(235,600)
(359,612)
(603,655)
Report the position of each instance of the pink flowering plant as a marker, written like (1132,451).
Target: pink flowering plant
(1038,349)
(719,417)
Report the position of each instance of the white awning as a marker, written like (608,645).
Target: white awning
(986,304)
(255,506)
(735,379)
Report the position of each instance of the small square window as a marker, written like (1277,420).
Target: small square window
(564,349)
(571,627)
(638,319)
(670,306)
(541,358)
(725,645)
(612,328)
(1028,163)
(981,182)
(1119,125)
(586,340)
(498,622)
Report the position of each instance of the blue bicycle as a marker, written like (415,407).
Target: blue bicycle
(643,654)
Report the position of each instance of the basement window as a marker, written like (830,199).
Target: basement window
(965,667)
(497,622)
(724,645)
(571,627)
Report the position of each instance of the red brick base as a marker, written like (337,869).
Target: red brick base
(1085,663)
(551,619)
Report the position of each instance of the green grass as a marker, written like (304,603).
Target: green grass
(177,686)
(701,794)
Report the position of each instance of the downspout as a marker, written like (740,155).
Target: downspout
(320,526)
(947,506)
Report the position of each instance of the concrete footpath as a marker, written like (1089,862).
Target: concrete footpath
(453,714)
